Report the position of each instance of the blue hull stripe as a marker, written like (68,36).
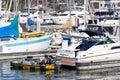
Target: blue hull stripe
(27,43)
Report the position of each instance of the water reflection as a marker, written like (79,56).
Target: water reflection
(6,73)
(101,74)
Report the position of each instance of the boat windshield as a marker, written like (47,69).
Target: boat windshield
(94,40)
(101,39)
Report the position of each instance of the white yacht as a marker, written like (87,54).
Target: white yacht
(94,45)
(97,52)
(77,17)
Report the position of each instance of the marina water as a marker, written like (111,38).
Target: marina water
(6,73)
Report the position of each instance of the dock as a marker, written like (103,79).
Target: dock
(6,56)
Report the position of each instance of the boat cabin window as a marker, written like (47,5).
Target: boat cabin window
(72,14)
(35,17)
(104,41)
(116,47)
(101,42)
(30,10)
(104,13)
(24,15)
(4,39)
(80,16)
(86,44)
(94,27)
(107,5)
(63,14)
(7,38)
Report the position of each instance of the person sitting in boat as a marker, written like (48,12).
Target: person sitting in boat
(29,60)
(51,59)
(45,60)
(48,59)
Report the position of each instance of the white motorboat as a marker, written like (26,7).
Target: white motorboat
(10,42)
(69,44)
(23,18)
(77,17)
(98,47)
(98,52)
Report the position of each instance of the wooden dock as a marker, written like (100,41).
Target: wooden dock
(24,54)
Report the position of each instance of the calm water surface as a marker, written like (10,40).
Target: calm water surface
(6,73)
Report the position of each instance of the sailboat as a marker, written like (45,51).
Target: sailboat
(10,41)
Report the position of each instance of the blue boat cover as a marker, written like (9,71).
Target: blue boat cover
(30,22)
(11,30)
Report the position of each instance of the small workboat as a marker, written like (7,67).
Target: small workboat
(32,63)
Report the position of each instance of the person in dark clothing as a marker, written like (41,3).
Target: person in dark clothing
(45,60)
(48,59)
(51,59)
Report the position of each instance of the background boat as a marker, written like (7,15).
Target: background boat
(11,42)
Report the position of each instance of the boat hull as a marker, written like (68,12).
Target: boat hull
(67,55)
(20,66)
(106,59)
(67,61)
(26,44)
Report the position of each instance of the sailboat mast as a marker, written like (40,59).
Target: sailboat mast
(90,11)
(69,13)
(70,7)
(0,6)
(8,10)
(16,4)
(85,9)
(28,7)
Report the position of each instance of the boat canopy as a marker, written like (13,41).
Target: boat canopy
(10,30)
(7,31)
